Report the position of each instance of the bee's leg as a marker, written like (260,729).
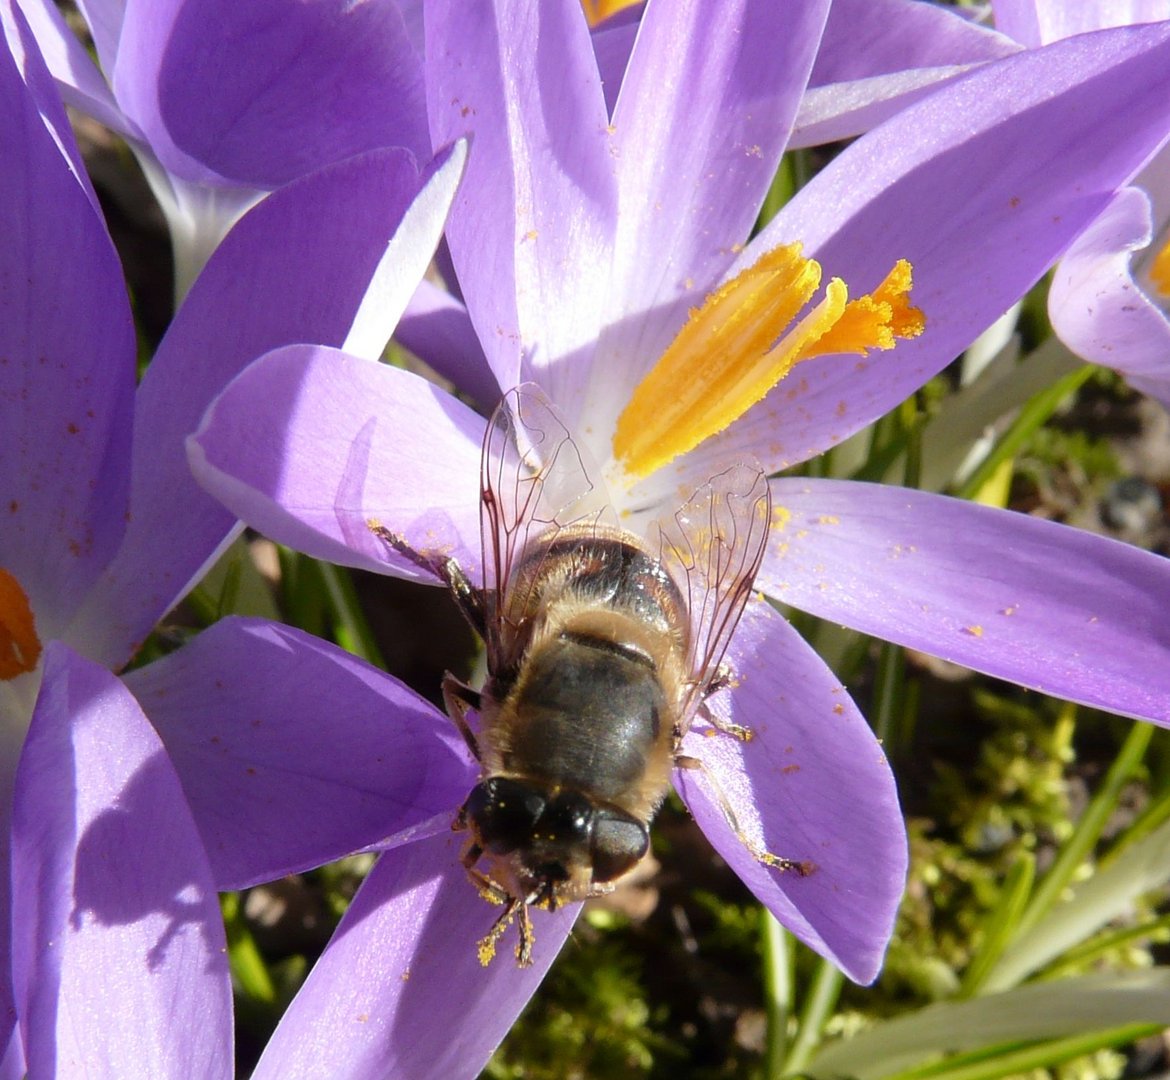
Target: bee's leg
(457,699)
(486,949)
(458,825)
(777,862)
(527,938)
(736,731)
(490,890)
(721,681)
(447,570)
(495,893)
(487,887)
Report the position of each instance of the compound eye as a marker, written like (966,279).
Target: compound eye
(568,819)
(503,812)
(619,842)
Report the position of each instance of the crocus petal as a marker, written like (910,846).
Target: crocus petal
(540,189)
(113,899)
(1097,308)
(296,268)
(412,19)
(864,38)
(1040,604)
(980,187)
(1039,22)
(309,444)
(694,166)
(875,58)
(844,110)
(43,89)
(812,785)
(104,19)
(15,712)
(408,255)
(67,358)
(81,83)
(1154,179)
(294,753)
(613,41)
(286,90)
(436,327)
(12,1064)
(399,991)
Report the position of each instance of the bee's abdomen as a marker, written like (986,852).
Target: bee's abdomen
(587,714)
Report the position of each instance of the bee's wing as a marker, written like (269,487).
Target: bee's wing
(713,546)
(534,480)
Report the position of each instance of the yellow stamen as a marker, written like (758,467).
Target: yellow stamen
(20,648)
(1160,271)
(876,320)
(741,342)
(597,11)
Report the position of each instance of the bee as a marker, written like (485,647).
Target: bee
(602,647)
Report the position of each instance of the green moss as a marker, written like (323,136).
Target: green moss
(591,1018)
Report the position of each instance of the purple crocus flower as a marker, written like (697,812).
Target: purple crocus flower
(112,892)
(222,102)
(68,386)
(874,58)
(1110,294)
(583,239)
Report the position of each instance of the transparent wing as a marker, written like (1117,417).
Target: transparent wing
(534,480)
(712,546)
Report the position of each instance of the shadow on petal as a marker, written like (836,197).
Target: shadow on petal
(108,858)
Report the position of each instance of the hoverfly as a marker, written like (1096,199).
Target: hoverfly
(602,648)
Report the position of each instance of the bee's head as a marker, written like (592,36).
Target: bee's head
(559,844)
